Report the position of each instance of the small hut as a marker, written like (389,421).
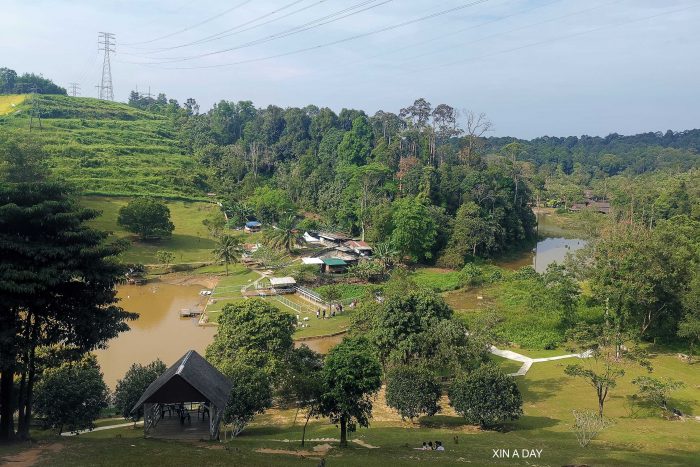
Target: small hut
(334,265)
(190,388)
(282,285)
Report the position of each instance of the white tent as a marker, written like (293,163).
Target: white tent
(312,260)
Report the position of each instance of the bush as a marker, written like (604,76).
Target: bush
(412,391)
(251,394)
(487,397)
(71,395)
(133,385)
(471,275)
(146,217)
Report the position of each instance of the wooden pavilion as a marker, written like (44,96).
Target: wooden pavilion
(189,390)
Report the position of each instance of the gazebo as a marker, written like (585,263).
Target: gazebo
(191,382)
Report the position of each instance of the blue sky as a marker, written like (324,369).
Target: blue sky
(550,67)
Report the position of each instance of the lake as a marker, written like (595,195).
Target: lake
(159,332)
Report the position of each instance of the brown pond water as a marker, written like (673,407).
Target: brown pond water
(159,332)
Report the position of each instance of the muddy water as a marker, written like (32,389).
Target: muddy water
(321,344)
(159,332)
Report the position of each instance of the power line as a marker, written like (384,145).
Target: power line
(567,36)
(527,26)
(211,18)
(340,41)
(453,33)
(106,42)
(227,32)
(331,18)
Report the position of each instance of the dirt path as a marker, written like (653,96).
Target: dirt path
(32,455)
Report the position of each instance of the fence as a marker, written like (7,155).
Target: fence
(311,295)
(294,306)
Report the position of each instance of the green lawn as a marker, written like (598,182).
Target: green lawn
(549,397)
(190,241)
(437,278)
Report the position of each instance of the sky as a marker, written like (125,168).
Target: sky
(535,68)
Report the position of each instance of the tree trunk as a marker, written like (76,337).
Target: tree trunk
(343,432)
(7,425)
(303,431)
(226,264)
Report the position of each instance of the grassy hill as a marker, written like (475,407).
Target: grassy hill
(105,147)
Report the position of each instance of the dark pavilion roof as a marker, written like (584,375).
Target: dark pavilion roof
(190,379)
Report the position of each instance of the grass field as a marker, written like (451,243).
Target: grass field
(190,241)
(549,397)
(436,278)
(8,103)
(107,147)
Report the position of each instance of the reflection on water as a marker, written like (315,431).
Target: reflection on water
(554,244)
(159,332)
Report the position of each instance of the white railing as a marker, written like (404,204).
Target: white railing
(294,306)
(311,295)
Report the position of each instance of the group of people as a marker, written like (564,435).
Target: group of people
(429,446)
(322,313)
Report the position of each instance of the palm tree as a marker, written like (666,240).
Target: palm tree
(385,253)
(228,250)
(285,235)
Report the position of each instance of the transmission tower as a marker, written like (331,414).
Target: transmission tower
(106,42)
(74,89)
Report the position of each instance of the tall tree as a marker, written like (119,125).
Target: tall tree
(351,375)
(414,229)
(252,332)
(356,146)
(57,285)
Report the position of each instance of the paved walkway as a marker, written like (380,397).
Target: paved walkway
(100,428)
(527,361)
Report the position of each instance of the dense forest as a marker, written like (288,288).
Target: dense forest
(427,169)
(12,83)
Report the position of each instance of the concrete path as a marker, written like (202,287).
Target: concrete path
(527,361)
(100,428)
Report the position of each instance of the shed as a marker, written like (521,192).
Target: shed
(359,247)
(334,265)
(332,238)
(191,380)
(282,281)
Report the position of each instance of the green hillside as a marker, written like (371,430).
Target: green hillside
(107,147)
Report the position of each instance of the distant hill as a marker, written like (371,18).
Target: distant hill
(105,147)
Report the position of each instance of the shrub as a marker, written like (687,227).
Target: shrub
(71,395)
(133,385)
(487,397)
(146,217)
(412,391)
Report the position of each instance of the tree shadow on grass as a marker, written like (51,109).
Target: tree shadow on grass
(540,390)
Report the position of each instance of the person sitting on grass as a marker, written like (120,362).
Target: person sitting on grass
(439,446)
(430,446)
